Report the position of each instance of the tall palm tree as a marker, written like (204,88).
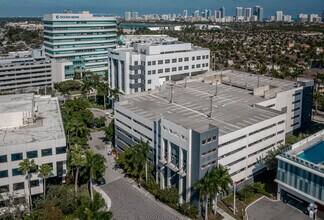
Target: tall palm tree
(27,167)
(221,182)
(77,160)
(140,155)
(96,166)
(102,91)
(86,87)
(44,171)
(205,187)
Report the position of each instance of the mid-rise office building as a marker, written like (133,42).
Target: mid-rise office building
(302,18)
(222,10)
(248,13)
(300,174)
(30,127)
(127,16)
(239,12)
(228,118)
(25,71)
(260,14)
(135,15)
(144,67)
(83,39)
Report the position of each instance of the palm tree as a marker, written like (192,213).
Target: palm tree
(27,167)
(102,91)
(205,187)
(86,87)
(77,160)
(44,171)
(96,166)
(221,182)
(140,155)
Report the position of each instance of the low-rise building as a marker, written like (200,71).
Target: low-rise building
(300,174)
(146,66)
(30,127)
(228,118)
(25,70)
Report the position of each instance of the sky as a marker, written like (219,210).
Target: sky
(13,8)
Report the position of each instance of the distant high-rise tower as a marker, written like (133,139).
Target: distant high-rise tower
(322,15)
(248,12)
(185,13)
(256,10)
(127,16)
(279,16)
(239,12)
(218,14)
(222,10)
(260,14)
(135,15)
(196,14)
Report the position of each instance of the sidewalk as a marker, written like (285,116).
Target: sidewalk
(103,195)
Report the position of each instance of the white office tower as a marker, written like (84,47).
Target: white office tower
(196,14)
(218,14)
(83,39)
(248,13)
(127,15)
(135,15)
(30,127)
(239,11)
(313,18)
(185,13)
(287,18)
(260,14)
(146,66)
(279,16)
(302,18)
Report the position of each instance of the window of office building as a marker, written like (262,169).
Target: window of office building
(60,150)
(4,189)
(167,61)
(186,59)
(174,69)
(174,60)
(180,68)
(32,154)
(3,159)
(160,71)
(198,57)
(193,58)
(153,72)
(206,64)
(153,62)
(149,81)
(167,70)
(180,59)
(16,172)
(34,183)
(149,63)
(19,186)
(186,67)
(3,173)
(203,65)
(193,67)
(135,62)
(15,157)
(160,62)
(47,152)
(149,72)
(198,65)
(203,57)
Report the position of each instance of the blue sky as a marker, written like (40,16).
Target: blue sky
(39,7)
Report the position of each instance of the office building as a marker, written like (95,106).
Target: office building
(135,15)
(30,127)
(286,18)
(279,16)
(302,18)
(229,118)
(222,9)
(83,39)
(248,13)
(185,13)
(300,174)
(260,14)
(25,71)
(218,14)
(146,66)
(239,12)
(127,16)
(256,10)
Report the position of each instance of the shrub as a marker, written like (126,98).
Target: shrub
(188,210)
(168,195)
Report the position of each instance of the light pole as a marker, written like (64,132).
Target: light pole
(234,205)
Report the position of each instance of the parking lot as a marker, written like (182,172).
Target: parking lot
(267,209)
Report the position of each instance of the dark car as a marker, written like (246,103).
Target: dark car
(101,181)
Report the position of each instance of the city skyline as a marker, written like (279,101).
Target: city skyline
(36,8)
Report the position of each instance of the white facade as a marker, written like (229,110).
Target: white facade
(279,16)
(33,129)
(25,70)
(147,66)
(83,39)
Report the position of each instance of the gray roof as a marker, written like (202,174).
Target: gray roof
(48,126)
(233,107)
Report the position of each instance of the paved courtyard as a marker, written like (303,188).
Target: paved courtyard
(267,209)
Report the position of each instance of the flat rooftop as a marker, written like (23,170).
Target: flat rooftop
(233,107)
(48,126)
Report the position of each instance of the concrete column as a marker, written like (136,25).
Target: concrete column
(162,149)
(169,152)
(119,76)
(162,181)
(169,177)
(180,189)
(180,158)
(112,85)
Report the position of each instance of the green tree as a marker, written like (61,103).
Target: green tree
(96,167)
(271,161)
(44,171)
(27,167)
(86,87)
(110,131)
(221,182)
(140,155)
(77,160)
